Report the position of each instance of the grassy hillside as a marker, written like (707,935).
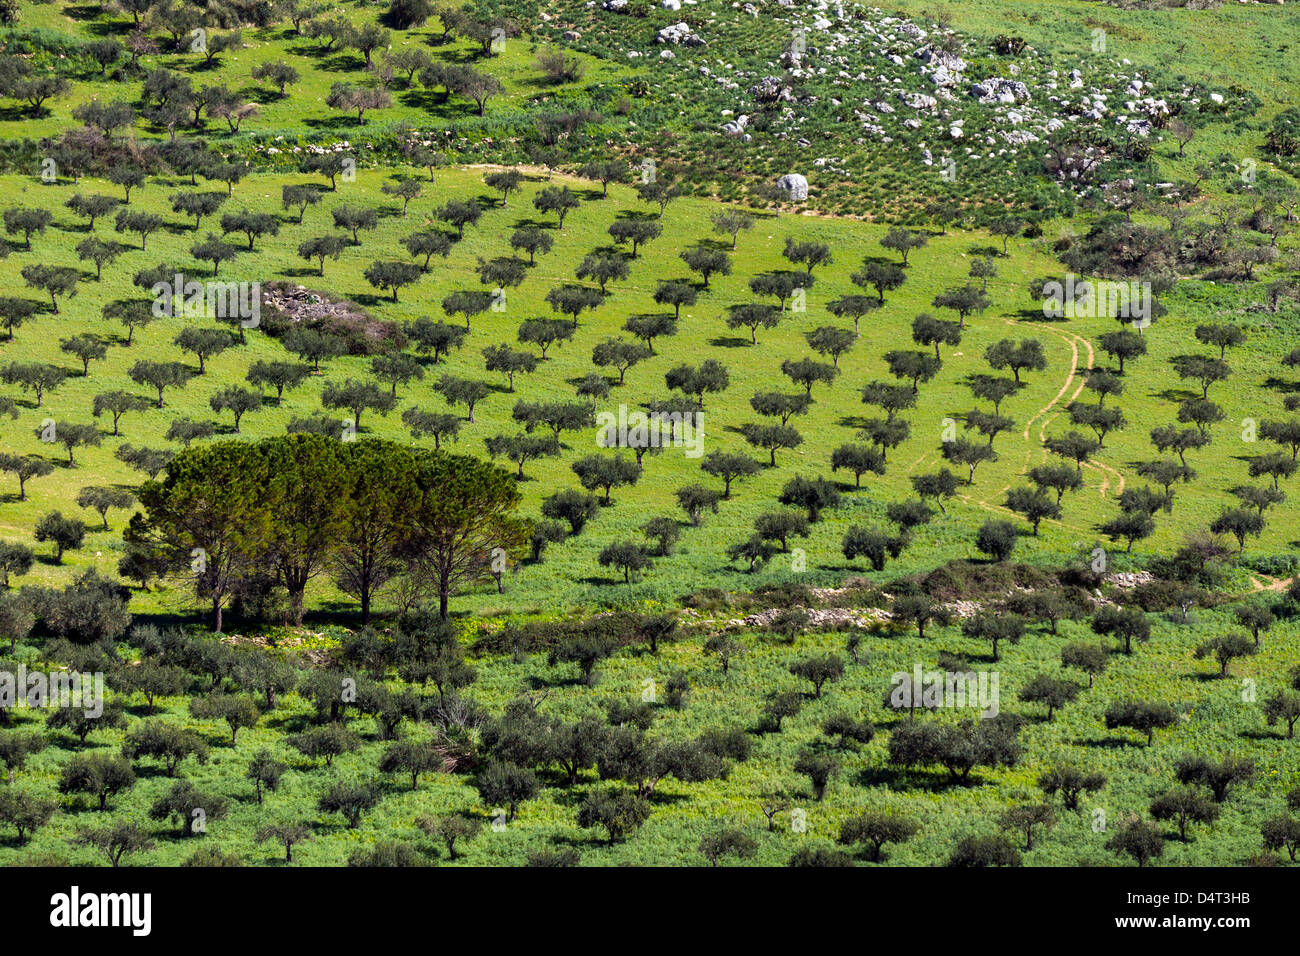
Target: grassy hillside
(570,575)
(867,173)
(1215,720)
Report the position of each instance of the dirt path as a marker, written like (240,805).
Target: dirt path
(1274,584)
(1044,416)
(1073,342)
(1048,412)
(1007,512)
(1106,470)
(1109,471)
(1105,477)
(1082,356)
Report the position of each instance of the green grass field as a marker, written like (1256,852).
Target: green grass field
(570,575)
(1216,721)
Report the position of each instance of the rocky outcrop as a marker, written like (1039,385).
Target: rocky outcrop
(770,89)
(794,186)
(285,305)
(999,90)
(737,126)
(679,34)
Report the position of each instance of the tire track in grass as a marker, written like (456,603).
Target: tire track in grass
(1109,472)
(1005,511)
(923,459)
(1105,477)
(1069,378)
(1044,413)
(1101,466)
(1044,417)
(1074,365)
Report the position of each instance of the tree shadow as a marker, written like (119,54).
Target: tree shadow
(261,95)
(297,273)
(83,13)
(904,779)
(1037,315)
(342,62)
(435,105)
(1281,385)
(601,581)
(1262,735)
(331,123)
(1111,743)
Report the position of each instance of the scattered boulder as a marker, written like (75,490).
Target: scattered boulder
(836,618)
(941,59)
(998,90)
(941,77)
(794,186)
(1129,579)
(679,34)
(770,89)
(285,305)
(735,127)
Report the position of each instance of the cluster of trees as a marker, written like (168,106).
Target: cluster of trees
(512,755)
(1202,787)
(233,686)
(688,385)
(245,516)
(177,27)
